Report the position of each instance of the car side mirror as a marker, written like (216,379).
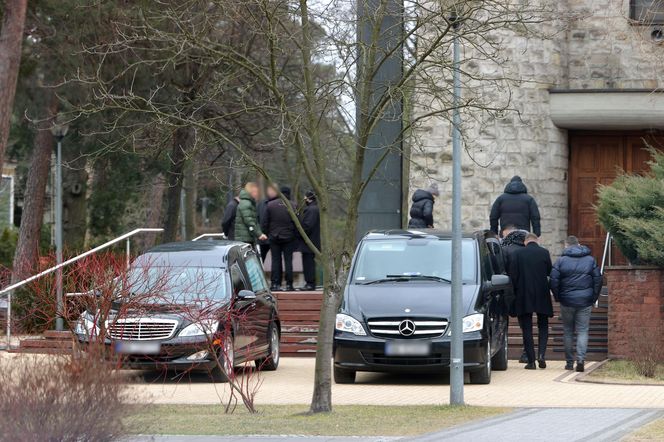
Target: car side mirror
(246,294)
(500,282)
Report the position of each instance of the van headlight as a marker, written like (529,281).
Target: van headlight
(86,326)
(473,323)
(200,328)
(349,324)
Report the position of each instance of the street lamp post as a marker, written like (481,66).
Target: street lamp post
(456,352)
(59,131)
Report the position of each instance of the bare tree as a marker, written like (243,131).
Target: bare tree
(276,73)
(11,39)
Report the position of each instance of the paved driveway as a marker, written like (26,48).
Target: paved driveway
(516,387)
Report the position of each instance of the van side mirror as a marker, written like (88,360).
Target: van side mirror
(500,282)
(246,294)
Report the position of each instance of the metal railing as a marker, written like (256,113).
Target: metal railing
(606,255)
(7,291)
(210,235)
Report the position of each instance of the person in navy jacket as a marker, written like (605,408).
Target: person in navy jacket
(576,282)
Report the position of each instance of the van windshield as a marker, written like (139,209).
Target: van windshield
(177,284)
(416,258)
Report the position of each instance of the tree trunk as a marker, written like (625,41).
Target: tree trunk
(27,247)
(154,203)
(11,39)
(190,200)
(181,140)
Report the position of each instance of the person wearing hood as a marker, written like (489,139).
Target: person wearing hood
(421,212)
(515,207)
(310,220)
(576,283)
(228,220)
(281,231)
(247,228)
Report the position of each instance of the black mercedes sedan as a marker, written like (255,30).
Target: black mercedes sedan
(198,305)
(395,311)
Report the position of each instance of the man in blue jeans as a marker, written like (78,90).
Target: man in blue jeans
(576,283)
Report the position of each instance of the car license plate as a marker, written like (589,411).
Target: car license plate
(133,348)
(413,348)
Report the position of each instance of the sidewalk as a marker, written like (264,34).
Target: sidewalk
(569,424)
(515,388)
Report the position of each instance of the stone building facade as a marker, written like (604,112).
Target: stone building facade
(590,84)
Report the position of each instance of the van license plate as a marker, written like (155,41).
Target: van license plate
(141,348)
(418,348)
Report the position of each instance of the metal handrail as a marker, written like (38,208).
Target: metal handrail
(606,255)
(8,290)
(209,235)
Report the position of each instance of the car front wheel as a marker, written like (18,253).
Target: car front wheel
(483,375)
(224,367)
(271,362)
(499,361)
(342,376)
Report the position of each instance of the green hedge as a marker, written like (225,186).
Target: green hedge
(632,210)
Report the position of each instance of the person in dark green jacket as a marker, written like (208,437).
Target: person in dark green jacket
(247,228)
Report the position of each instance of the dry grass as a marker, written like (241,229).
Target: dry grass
(350,420)
(621,371)
(654,431)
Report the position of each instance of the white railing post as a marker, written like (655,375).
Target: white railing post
(210,235)
(128,252)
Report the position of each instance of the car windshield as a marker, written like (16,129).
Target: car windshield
(177,284)
(410,259)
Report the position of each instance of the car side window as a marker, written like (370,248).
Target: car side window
(255,272)
(496,256)
(237,279)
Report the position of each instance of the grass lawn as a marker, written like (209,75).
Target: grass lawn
(624,372)
(345,420)
(651,432)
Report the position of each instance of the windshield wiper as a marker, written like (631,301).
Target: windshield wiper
(425,277)
(405,278)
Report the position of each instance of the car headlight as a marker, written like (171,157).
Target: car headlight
(349,324)
(200,328)
(86,326)
(473,323)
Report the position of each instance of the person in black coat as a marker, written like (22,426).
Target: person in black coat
(281,231)
(530,269)
(310,220)
(516,207)
(228,220)
(421,212)
(576,282)
(513,240)
(261,210)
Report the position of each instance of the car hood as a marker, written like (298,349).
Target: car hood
(423,298)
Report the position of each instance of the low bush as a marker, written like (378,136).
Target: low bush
(632,210)
(46,398)
(647,350)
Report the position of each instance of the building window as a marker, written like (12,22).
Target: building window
(647,12)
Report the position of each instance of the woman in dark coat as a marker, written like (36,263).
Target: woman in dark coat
(421,212)
(310,220)
(530,268)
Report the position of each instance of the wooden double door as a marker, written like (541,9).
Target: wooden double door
(597,158)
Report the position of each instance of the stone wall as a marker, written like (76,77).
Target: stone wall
(636,308)
(593,46)
(607,50)
(523,141)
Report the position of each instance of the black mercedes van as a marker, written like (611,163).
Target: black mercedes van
(395,312)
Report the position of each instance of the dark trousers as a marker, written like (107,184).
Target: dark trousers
(265,249)
(309,268)
(277,250)
(526,323)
